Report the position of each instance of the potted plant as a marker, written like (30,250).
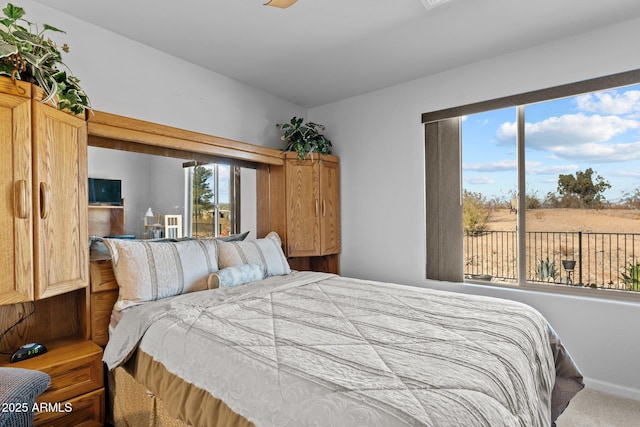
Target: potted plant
(304,138)
(28,54)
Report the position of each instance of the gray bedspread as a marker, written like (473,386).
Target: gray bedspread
(319,349)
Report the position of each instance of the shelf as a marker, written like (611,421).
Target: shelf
(106,220)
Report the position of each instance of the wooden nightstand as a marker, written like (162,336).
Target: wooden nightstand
(76,394)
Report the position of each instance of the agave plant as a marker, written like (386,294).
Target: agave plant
(27,54)
(304,138)
(631,277)
(546,270)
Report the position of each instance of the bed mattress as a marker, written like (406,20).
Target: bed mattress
(318,349)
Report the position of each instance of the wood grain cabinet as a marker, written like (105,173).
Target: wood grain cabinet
(301,201)
(43,208)
(313,206)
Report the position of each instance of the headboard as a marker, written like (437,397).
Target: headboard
(104,293)
(123,133)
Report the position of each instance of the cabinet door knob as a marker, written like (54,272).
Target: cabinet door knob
(317,207)
(21,199)
(44,200)
(324,208)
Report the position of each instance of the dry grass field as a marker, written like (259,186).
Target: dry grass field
(602,241)
(557,220)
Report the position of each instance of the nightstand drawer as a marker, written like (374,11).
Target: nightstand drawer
(74,369)
(85,410)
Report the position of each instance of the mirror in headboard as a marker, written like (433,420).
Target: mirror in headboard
(210,198)
(150,160)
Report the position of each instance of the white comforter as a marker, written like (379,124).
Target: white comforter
(318,349)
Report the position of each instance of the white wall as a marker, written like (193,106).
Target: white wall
(379,138)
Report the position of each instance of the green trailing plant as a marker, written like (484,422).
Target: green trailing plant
(304,138)
(28,54)
(546,270)
(631,276)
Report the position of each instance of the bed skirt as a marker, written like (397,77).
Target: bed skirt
(132,404)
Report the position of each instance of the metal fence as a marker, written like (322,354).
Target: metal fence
(601,260)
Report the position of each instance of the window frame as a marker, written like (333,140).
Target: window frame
(437,201)
(234,196)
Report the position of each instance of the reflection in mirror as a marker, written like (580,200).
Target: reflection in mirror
(161,198)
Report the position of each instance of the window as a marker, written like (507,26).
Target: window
(213,199)
(548,188)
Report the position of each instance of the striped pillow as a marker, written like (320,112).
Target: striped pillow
(267,253)
(148,271)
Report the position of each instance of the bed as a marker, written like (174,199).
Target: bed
(246,341)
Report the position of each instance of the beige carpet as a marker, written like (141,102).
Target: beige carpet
(595,409)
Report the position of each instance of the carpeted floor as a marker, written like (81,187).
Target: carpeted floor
(592,408)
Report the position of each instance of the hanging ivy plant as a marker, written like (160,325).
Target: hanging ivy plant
(28,54)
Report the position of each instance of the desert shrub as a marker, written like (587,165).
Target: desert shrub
(631,277)
(546,270)
(631,200)
(476,212)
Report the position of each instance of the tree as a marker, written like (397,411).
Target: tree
(582,187)
(202,193)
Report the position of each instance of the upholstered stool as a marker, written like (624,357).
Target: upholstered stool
(19,389)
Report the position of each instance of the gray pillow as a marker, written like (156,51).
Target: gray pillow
(234,237)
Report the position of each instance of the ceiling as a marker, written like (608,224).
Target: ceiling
(320,51)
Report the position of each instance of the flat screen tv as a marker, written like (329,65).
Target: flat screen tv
(105,192)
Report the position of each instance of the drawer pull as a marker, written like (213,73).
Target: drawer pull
(44,200)
(21,199)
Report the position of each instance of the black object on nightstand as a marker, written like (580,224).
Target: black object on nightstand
(28,351)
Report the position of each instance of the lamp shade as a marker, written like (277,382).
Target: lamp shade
(149,213)
(283,4)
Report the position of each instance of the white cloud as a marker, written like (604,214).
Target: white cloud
(610,102)
(626,173)
(479,180)
(535,168)
(577,136)
(499,166)
(601,153)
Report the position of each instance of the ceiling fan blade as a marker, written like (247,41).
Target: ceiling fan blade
(283,4)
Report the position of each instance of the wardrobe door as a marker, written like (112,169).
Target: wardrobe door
(330,207)
(16,277)
(60,204)
(302,207)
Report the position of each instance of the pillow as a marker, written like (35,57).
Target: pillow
(234,237)
(234,276)
(267,253)
(148,271)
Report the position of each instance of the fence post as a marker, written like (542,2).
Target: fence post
(580,257)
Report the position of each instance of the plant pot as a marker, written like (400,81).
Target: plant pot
(568,264)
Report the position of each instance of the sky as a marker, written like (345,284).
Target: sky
(599,130)
(223,182)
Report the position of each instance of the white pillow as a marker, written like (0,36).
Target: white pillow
(235,276)
(148,271)
(267,253)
